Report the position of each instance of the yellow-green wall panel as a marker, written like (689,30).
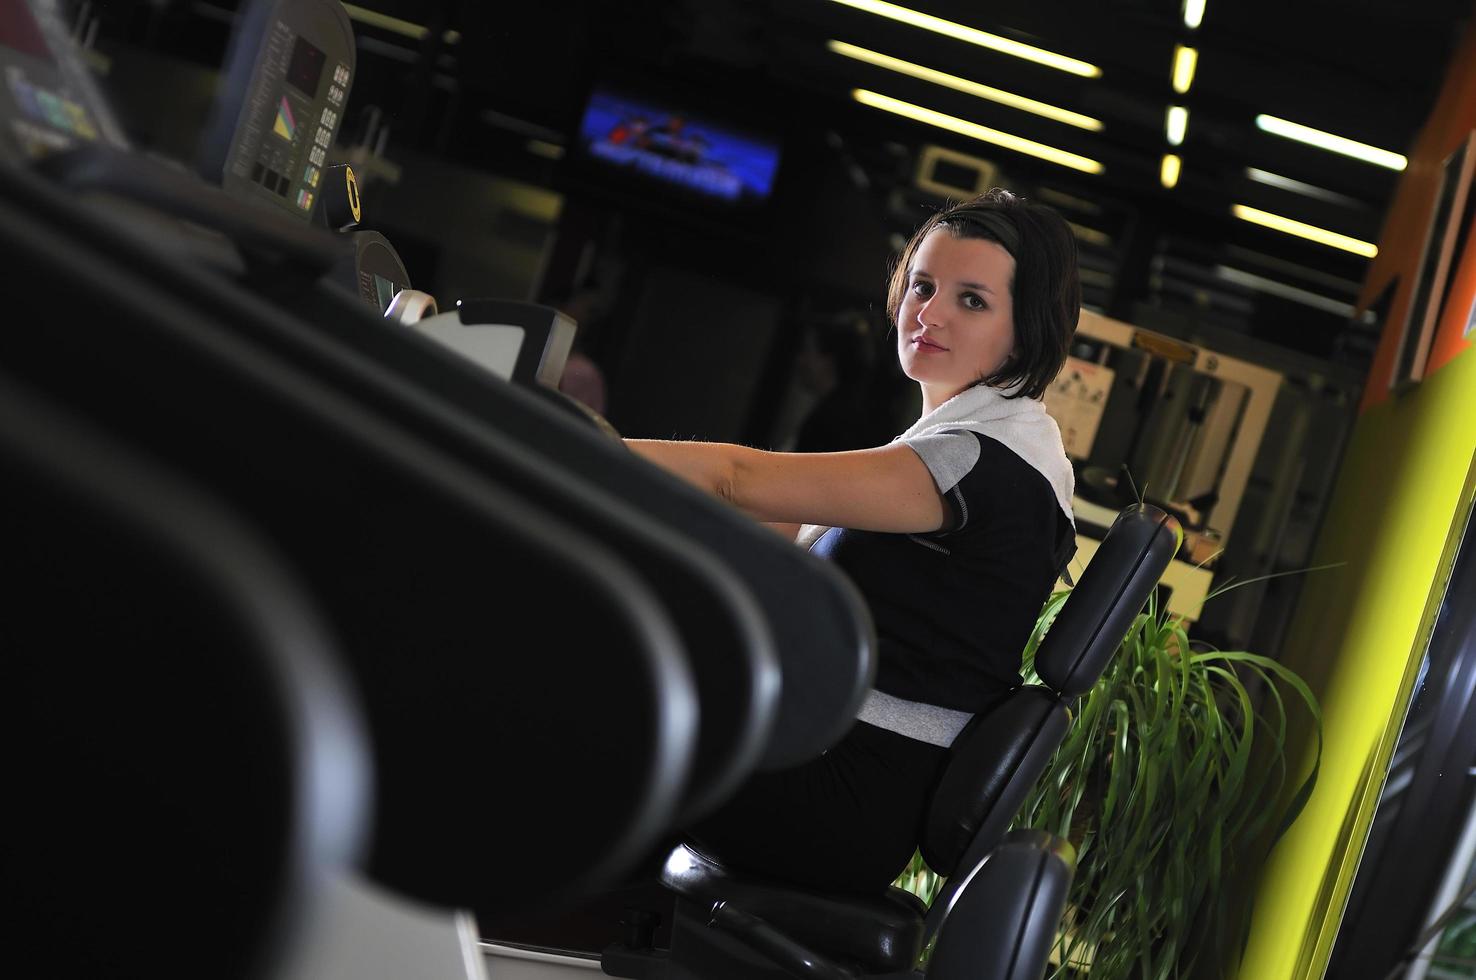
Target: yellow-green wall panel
(1358,638)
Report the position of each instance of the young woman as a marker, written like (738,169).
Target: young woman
(954,533)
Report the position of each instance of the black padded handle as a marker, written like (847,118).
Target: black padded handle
(793,957)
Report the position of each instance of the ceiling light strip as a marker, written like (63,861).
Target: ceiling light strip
(983,133)
(1176,124)
(1310,190)
(1303,230)
(395,25)
(1284,290)
(966,86)
(1091,235)
(1317,276)
(970,35)
(1185,61)
(1068,200)
(545,149)
(1193,14)
(1327,141)
(1168,171)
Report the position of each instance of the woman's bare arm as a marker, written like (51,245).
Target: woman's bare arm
(887,489)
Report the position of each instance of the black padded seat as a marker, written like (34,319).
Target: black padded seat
(879,934)
(995,761)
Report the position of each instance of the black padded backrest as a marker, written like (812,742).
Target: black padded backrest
(1109,594)
(493,646)
(992,765)
(185,757)
(1002,921)
(1003,752)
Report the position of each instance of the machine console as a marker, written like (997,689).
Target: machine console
(283,91)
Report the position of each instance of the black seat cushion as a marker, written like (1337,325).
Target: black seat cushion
(880,935)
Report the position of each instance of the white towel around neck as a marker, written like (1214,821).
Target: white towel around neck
(1022,425)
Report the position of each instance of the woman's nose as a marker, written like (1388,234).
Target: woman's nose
(927,313)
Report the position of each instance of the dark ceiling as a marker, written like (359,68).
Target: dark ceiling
(1364,69)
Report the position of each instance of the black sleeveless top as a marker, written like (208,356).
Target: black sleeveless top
(954,608)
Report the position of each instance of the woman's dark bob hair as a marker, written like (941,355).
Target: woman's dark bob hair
(1045,292)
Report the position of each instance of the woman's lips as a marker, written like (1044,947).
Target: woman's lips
(927,346)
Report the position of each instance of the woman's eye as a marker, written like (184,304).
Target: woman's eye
(921,288)
(973,301)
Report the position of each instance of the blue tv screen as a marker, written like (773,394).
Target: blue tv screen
(664,143)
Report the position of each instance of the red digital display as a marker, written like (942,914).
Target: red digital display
(306,67)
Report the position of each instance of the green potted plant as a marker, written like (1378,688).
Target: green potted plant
(1167,778)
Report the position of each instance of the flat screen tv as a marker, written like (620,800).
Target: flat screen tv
(661,143)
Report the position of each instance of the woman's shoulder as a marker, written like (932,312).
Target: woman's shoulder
(1005,478)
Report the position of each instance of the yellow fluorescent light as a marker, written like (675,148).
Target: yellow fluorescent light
(1327,141)
(964,85)
(1066,200)
(965,128)
(395,25)
(1310,232)
(543,148)
(1185,59)
(1193,14)
(1168,173)
(1176,124)
(1091,235)
(968,34)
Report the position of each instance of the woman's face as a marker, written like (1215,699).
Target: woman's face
(956,323)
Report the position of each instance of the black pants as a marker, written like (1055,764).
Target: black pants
(845,822)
